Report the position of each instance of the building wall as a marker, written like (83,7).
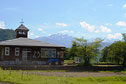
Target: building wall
(12,58)
(0,53)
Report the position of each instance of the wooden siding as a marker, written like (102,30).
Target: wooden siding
(12,56)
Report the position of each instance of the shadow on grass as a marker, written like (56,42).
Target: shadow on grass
(66,68)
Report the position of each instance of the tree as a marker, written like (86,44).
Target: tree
(115,53)
(117,50)
(104,54)
(124,54)
(124,36)
(67,55)
(87,51)
(73,50)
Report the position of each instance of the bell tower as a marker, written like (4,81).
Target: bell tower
(22,31)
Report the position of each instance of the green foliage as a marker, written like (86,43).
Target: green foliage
(115,53)
(73,50)
(6,34)
(67,55)
(124,36)
(86,51)
(105,52)
(68,62)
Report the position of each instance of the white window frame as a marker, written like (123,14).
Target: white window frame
(49,51)
(17,50)
(7,51)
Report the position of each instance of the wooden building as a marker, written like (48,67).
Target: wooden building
(23,50)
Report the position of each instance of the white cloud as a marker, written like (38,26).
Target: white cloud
(66,32)
(87,26)
(2,25)
(62,24)
(107,24)
(121,23)
(30,34)
(109,5)
(92,28)
(105,29)
(49,34)
(40,29)
(37,36)
(97,31)
(124,5)
(114,36)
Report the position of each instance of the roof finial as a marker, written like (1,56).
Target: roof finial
(22,21)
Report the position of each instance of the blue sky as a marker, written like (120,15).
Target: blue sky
(87,18)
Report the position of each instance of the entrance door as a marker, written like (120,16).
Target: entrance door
(24,55)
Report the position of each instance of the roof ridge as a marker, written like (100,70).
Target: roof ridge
(22,27)
(27,42)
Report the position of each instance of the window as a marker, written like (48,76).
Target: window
(61,54)
(24,33)
(48,53)
(7,51)
(58,54)
(16,51)
(20,32)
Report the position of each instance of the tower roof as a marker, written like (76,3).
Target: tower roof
(22,27)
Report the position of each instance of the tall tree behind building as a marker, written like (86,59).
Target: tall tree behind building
(6,34)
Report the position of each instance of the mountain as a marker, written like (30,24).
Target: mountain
(59,39)
(66,40)
(108,42)
(104,44)
(6,34)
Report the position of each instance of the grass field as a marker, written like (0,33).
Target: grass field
(15,77)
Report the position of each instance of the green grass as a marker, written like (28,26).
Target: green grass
(124,71)
(15,77)
(68,61)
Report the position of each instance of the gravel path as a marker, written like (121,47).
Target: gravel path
(79,74)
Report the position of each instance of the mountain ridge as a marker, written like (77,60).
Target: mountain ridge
(59,39)
(64,40)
